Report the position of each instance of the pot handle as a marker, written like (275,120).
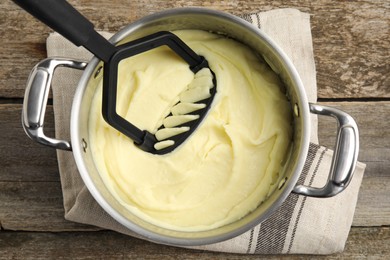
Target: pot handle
(344,157)
(36,96)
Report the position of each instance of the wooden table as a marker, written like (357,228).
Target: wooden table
(351,46)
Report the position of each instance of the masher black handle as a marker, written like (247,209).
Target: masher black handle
(66,20)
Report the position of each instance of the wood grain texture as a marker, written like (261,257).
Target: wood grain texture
(351,39)
(34,206)
(31,197)
(21,158)
(363,243)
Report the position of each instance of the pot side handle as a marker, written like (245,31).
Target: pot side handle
(344,158)
(36,96)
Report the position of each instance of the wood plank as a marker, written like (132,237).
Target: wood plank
(21,158)
(29,179)
(351,48)
(373,243)
(350,39)
(34,206)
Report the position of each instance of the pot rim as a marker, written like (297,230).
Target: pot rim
(149,235)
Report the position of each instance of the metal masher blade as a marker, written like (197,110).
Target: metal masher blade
(66,20)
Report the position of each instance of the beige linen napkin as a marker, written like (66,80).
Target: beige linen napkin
(302,224)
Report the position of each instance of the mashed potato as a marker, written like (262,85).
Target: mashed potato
(226,168)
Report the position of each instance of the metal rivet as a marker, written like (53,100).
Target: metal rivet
(282,182)
(296,110)
(288,96)
(98,72)
(84,144)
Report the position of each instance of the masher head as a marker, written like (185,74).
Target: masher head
(185,116)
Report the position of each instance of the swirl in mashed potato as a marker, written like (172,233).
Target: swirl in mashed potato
(226,168)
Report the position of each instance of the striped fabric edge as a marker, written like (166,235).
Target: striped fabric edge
(270,236)
(253,19)
(302,200)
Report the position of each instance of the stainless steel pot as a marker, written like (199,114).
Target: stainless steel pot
(346,149)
